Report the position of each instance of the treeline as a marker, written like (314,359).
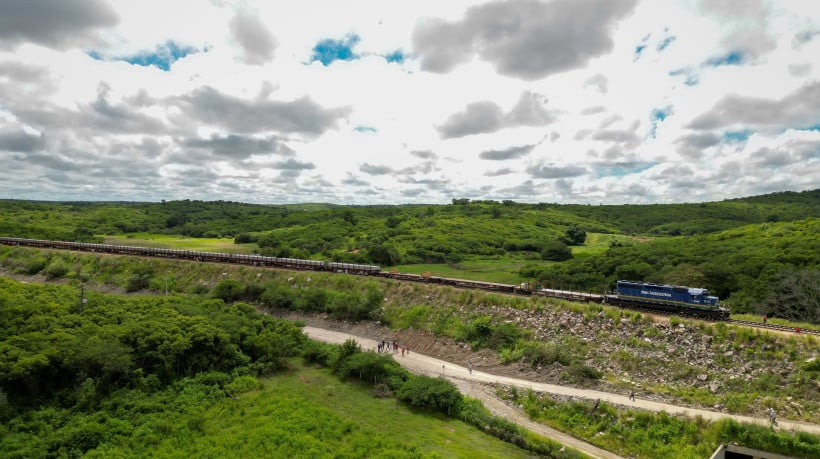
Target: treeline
(395,234)
(769,268)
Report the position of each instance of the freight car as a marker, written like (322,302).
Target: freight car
(684,301)
(669,299)
(256,260)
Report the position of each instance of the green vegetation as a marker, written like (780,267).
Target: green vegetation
(436,395)
(479,318)
(636,433)
(176,375)
(307,412)
(751,252)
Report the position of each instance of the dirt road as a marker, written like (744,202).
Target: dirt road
(470,384)
(461,377)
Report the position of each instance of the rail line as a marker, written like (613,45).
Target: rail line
(768,326)
(373,270)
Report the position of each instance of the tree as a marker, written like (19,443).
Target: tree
(556,251)
(228,290)
(795,296)
(575,235)
(383,255)
(433,393)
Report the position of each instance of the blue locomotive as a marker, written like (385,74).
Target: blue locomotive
(675,299)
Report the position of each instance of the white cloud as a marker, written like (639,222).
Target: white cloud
(484,105)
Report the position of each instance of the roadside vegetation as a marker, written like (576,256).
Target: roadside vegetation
(637,433)
(173,375)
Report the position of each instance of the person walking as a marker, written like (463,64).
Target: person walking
(632,395)
(773,416)
(470,367)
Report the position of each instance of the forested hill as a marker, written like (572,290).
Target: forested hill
(752,252)
(81,220)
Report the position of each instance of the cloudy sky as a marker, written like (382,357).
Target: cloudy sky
(366,102)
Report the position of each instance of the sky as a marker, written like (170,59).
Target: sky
(392,102)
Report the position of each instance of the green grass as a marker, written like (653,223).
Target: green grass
(309,412)
(168,241)
(504,269)
(598,243)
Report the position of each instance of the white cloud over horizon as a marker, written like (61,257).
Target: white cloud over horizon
(363,102)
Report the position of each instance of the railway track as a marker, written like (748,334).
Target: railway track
(783,328)
(367,270)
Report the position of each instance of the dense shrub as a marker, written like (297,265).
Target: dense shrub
(56,269)
(556,251)
(278,297)
(228,290)
(436,394)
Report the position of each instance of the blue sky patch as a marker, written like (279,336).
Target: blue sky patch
(733,58)
(638,50)
(658,115)
(162,57)
(737,136)
(665,43)
(396,56)
(361,128)
(329,50)
(692,77)
(621,170)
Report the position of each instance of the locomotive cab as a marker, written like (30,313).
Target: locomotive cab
(701,296)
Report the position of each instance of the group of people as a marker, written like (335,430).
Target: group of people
(387,346)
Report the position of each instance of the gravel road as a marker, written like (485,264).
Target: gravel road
(470,383)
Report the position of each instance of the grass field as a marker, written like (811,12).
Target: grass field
(504,270)
(309,412)
(172,241)
(598,243)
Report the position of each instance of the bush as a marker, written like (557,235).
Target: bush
(36,265)
(485,332)
(556,251)
(320,353)
(575,235)
(244,238)
(252,292)
(243,384)
(228,290)
(314,299)
(436,394)
(371,367)
(56,269)
(539,354)
(578,372)
(278,297)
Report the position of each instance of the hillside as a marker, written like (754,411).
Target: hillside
(752,252)
(712,366)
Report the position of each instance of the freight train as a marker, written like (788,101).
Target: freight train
(684,301)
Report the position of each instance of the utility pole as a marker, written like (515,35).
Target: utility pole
(82,297)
